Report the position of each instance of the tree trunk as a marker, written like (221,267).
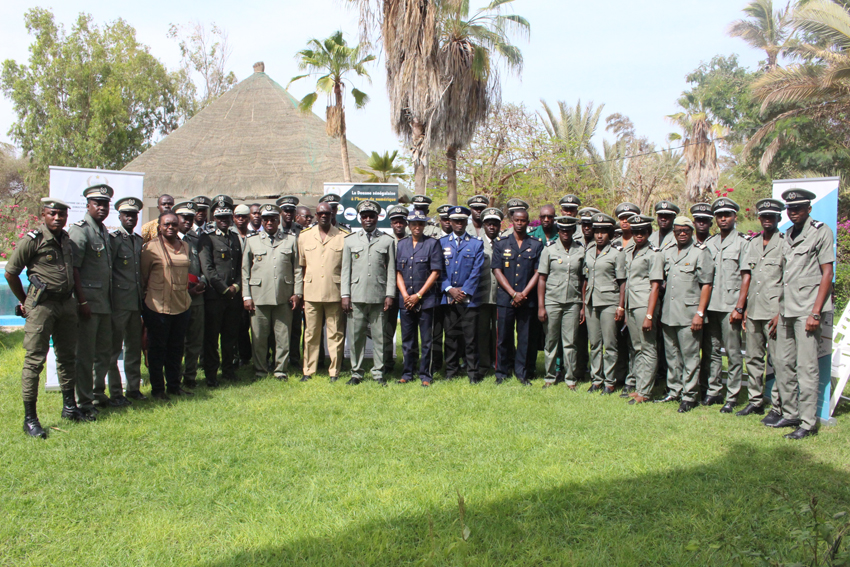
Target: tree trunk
(419,177)
(451,175)
(346,168)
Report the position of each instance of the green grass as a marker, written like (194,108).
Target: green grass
(271,473)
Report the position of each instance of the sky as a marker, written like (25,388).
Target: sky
(630,56)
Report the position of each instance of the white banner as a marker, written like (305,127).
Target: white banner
(67,184)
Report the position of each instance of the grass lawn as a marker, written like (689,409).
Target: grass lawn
(271,473)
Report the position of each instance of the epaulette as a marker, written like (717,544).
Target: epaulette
(654,248)
(551,242)
(712,236)
(33,233)
(349,234)
(617,246)
(701,246)
(746,237)
(535,238)
(816,224)
(210,230)
(80,223)
(344,230)
(254,234)
(498,238)
(307,228)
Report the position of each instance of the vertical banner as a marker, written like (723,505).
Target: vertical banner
(385,194)
(824,209)
(67,184)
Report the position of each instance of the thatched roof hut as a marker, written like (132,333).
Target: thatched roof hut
(252,144)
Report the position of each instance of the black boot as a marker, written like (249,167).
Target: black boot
(31,425)
(70,410)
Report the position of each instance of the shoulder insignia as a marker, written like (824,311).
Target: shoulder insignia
(210,230)
(349,234)
(308,228)
(550,243)
(816,224)
(654,248)
(478,238)
(617,247)
(33,233)
(255,234)
(746,237)
(80,223)
(701,246)
(498,238)
(116,233)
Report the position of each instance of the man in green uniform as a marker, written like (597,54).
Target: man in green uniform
(569,208)
(368,289)
(126,248)
(93,288)
(202,213)
(560,300)
(194,343)
(665,213)
(645,273)
(689,271)
(625,370)
(703,220)
(268,276)
(807,266)
(605,297)
(50,312)
(764,258)
(477,204)
(485,297)
(728,249)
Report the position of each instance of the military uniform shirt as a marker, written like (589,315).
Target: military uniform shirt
(564,271)
(268,268)
(487,284)
(321,263)
(221,261)
(642,268)
(126,270)
(368,267)
(415,266)
(518,264)
(669,240)
(686,271)
(463,262)
(93,258)
(801,261)
(603,273)
(730,257)
(46,256)
(765,263)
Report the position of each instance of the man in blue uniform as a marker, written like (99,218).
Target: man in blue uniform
(464,257)
(514,265)
(418,267)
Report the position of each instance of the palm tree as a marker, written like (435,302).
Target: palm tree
(700,153)
(333,59)
(381,168)
(765,29)
(467,47)
(818,87)
(574,127)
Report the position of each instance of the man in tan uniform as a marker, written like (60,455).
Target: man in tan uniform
(318,283)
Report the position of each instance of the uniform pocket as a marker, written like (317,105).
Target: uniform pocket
(255,281)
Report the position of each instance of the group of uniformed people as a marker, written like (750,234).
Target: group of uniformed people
(614,302)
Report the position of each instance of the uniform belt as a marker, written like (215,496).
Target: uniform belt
(56,296)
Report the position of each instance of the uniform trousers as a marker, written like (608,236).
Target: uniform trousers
(271,319)
(582,353)
(460,323)
(166,335)
(486,338)
(390,326)
(681,346)
(561,337)
(644,345)
(437,336)
(759,343)
(364,317)
(518,356)
(727,336)
(194,344)
(602,332)
(797,371)
(708,345)
(416,325)
(295,337)
(126,336)
(624,370)
(244,340)
(221,324)
(57,319)
(316,314)
(94,350)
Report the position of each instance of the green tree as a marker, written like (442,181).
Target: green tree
(94,97)
(575,127)
(766,29)
(333,60)
(699,136)
(468,45)
(382,168)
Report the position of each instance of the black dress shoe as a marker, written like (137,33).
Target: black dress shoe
(178,391)
(626,391)
(500,380)
(685,407)
(211,383)
(771,418)
(119,402)
(333,379)
(525,382)
(728,407)
(474,381)
(305,378)
(191,384)
(136,395)
(593,388)
(33,428)
(667,398)
(606,391)
(751,408)
(784,422)
(282,377)
(800,433)
(712,400)
(381,382)
(160,396)
(353,382)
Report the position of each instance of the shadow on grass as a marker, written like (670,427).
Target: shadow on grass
(688,515)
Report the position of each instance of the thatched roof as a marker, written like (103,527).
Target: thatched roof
(252,143)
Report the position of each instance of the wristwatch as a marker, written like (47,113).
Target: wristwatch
(740,310)
(815,316)
(701,314)
(649,316)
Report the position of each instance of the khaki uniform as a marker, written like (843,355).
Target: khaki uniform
(318,281)
(797,350)
(485,298)
(150,230)
(268,276)
(730,259)
(765,263)
(603,273)
(194,343)
(51,259)
(368,277)
(126,310)
(472,231)
(668,241)
(564,271)
(93,258)
(686,271)
(643,266)
(433,229)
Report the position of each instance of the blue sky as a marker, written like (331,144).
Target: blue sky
(631,56)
